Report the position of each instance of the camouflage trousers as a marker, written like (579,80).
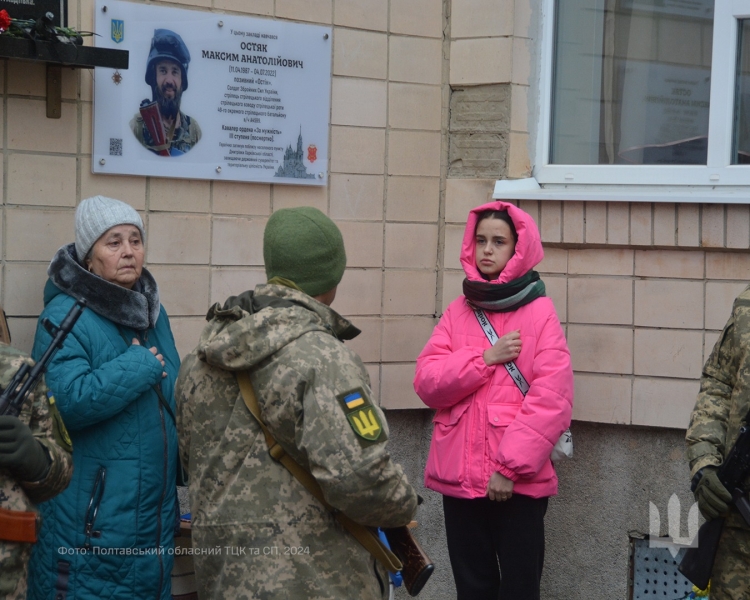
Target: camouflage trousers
(13,560)
(730,578)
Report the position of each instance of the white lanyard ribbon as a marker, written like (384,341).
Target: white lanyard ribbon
(510,366)
(564,446)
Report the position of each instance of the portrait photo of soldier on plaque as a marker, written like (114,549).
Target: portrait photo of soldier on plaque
(159,125)
(223,97)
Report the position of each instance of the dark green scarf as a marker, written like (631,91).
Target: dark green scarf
(504,297)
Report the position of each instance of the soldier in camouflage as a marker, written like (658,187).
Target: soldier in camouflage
(167,75)
(257,533)
(35,465)
(722,405)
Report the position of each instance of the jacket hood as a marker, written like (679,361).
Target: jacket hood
(250,327)
(528,253)
(136,309)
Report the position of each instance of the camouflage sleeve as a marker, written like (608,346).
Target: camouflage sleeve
(706,434)
(47,426)
(184,410)
(43,418)
(346,449)
(197,133)
(136,126)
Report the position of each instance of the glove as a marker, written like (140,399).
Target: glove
(713,498)
(20,452)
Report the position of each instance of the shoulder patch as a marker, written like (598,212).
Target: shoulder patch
(363,418)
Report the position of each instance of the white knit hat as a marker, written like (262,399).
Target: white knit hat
(96,215)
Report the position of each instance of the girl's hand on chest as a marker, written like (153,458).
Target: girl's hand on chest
(506,348)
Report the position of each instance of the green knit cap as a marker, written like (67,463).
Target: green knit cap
(304,245)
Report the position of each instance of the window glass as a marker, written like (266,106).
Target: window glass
(741,152)
(631,82)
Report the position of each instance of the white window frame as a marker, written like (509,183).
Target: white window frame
(718,181)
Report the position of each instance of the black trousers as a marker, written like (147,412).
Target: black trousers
(487,538)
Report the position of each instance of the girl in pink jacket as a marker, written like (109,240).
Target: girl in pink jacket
(491,444)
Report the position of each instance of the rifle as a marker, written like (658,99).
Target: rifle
(698,561)
(153,123)
(13,397)
(417,565)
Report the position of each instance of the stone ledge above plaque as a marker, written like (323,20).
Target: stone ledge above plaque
(57,55)
(71,55)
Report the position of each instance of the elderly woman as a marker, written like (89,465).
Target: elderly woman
(110,534)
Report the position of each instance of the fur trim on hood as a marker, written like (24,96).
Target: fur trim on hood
(137,310)
(528,254)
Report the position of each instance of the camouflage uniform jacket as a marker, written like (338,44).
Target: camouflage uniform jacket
(724,398)
(47,427)
(273,539)
(187,135)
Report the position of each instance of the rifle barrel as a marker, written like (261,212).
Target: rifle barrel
(11,400)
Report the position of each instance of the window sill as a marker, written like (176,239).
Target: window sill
(529,189)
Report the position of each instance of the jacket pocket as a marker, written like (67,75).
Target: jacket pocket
(499,416)
(92,508)
(450,416)
(110,508)
(448,449)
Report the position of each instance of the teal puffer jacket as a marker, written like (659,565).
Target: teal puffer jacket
(110,534)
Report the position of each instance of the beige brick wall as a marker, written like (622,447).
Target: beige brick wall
(642,289)
(642,305)
(389,94)
(490,44)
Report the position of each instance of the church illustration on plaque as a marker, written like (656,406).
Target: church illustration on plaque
(293,165)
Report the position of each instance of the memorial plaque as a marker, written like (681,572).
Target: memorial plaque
(212,96)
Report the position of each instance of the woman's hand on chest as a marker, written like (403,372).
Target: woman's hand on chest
(505,349)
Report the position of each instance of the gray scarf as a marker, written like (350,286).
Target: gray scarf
(136,309)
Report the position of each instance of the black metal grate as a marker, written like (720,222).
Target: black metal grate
(655,574)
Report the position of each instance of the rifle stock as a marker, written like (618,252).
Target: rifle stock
(19,526)
(698,562)
(417,565)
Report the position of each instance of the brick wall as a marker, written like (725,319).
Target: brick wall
(643,291)
(388,125)
(412,81)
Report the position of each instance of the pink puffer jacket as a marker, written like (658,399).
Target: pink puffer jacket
(483,423)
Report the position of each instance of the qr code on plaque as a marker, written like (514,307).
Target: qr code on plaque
(115,146)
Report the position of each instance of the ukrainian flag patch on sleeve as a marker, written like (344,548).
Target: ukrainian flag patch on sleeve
(354,400)
(362,416)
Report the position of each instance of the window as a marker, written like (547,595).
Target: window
(646,92)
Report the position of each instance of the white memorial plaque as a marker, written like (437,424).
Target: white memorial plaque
(212,96)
